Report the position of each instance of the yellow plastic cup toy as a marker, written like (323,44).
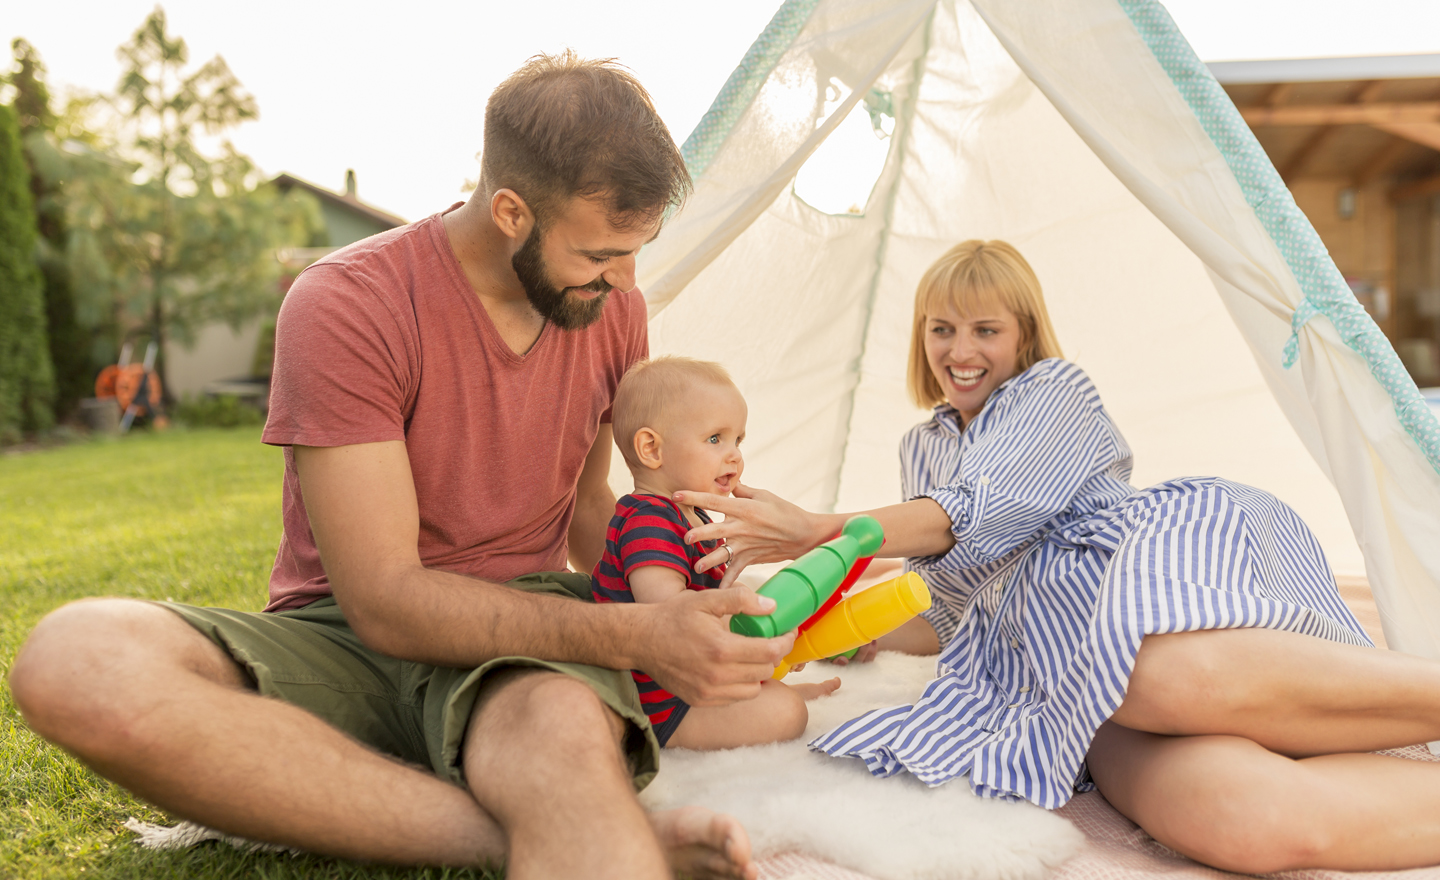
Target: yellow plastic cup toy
(859,620)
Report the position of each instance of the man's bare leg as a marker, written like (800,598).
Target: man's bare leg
(141,696)
(566,799)
(1293,694)
(1227,802)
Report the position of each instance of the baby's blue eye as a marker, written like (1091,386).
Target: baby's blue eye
(714,438)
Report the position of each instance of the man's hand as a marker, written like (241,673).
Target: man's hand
(688,648)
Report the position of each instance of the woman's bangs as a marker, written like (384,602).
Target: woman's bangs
(969,295)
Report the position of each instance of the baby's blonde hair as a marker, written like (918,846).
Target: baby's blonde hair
(651,387)
(971,276)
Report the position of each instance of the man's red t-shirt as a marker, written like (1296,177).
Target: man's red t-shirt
(386,340)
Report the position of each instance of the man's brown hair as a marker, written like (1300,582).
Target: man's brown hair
(563,126)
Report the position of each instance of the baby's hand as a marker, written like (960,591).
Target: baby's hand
(863,654)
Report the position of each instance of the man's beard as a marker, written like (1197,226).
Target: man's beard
(555,304)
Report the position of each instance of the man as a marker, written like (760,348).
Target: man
(442,393)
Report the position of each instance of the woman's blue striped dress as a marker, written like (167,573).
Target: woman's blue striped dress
(1059,569)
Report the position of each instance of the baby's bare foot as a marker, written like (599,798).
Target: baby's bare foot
(823,689)
(703,844)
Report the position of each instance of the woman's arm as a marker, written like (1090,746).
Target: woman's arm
(1024,467)
(912,528)
(761,526)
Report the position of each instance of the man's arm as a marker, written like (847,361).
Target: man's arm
(363,512)
(594,505)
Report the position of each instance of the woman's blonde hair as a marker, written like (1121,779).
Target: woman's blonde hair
(970,277)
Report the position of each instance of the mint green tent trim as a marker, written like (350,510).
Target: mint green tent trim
(1326,292)
(739,90)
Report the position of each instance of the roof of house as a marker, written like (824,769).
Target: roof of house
(1325,69)
(1364,118)
(348,201)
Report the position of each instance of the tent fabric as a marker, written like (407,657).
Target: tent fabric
(739,90)
(1325,289)
(1070,128)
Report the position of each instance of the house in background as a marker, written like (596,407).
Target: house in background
(223,361)
(1357,140)
(347,219)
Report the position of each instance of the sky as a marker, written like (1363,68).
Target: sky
(397,91)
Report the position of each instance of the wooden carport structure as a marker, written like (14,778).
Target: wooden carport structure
(1357,140)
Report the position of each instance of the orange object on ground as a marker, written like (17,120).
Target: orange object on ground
(128,384)
(105,382)
(136,387)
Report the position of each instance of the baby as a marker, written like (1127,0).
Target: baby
(679,424)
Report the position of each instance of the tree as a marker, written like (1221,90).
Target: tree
(163,238)
(27,383)
(69,342)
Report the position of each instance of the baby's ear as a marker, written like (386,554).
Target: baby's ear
(647,448)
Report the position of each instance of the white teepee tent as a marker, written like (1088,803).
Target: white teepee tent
(1176,266)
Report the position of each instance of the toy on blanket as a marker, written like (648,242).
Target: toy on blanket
(859,620)
(805,588)
(808,594)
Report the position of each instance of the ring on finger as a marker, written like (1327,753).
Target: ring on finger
(729,554)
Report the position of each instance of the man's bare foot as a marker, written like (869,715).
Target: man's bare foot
(811,691)
(703,844)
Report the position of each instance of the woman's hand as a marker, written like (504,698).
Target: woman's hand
(759,526)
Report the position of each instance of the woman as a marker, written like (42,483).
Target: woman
(1182,648)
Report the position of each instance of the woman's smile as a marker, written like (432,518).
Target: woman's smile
(966,378)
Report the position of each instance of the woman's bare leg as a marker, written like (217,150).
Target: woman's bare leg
(1293,694)
(1227,802)
(915,636)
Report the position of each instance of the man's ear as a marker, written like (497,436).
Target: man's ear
(511,215)
(647,448)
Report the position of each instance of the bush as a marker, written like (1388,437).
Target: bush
(219,411)
(27,380)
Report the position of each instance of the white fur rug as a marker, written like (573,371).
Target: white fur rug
(792,799)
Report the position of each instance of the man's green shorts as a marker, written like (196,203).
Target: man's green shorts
(311,658)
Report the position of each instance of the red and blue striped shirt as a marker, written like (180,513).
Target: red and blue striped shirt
(650,530)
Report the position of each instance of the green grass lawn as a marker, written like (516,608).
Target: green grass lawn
(192,516)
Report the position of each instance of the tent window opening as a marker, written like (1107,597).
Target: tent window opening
(840,175)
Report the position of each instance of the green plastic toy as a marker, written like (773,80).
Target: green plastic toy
(800,588)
